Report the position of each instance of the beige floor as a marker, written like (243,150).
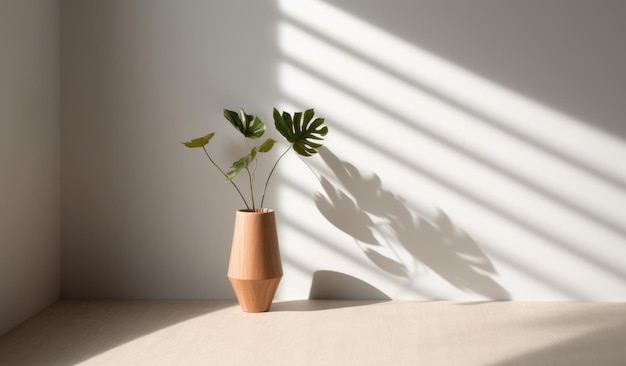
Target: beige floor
(317,332)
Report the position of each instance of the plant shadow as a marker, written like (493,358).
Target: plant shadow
(384,228)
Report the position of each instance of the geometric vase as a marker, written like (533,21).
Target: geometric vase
(255,269)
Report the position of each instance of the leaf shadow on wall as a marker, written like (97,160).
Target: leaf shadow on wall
(384,227)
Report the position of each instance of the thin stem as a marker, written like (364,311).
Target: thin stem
(271,172)
(252,174)
(226,175)
(251,180)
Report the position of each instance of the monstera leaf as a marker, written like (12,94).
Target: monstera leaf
(250,126)
(301,131)
(200,141)
(245,161)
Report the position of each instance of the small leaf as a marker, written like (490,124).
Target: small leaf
(236,168)
(266,145)
(200,141)
(241,164)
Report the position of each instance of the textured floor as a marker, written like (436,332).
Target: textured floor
(318,332)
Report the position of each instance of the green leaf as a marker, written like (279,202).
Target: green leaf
(281,125)
(297,117)
(301,132)
(200,141)
(250,126)
(266,145)
(241,164)
(236,168)
(308,115)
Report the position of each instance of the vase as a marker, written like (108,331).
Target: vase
(255,269)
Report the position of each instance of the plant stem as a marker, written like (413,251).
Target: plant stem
(251,174)
(251,179)
(225,175)
(271,172)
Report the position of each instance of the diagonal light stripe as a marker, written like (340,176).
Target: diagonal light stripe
(511,111)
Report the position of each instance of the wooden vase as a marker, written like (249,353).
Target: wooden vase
(255,268)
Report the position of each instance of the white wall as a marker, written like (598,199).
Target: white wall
(29,158)
(475,149)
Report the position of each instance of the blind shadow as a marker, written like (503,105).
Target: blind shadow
(378,219)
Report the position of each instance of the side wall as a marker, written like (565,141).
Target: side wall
(29,158)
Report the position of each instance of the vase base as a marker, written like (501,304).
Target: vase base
(255,296)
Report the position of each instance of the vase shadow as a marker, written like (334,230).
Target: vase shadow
(334,290)
(383,226)
(340,286)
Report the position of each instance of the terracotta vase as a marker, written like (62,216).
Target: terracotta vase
(255,268)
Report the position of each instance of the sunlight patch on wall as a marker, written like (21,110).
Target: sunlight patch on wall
(506,107)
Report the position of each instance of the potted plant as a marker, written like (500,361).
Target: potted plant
(255,268)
